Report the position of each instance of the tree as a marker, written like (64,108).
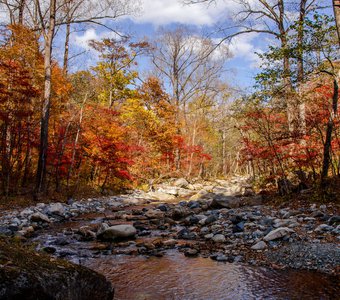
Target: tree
(45,17)
(273,18)
(115,69)
(336,7)
(186,63)
(21,76)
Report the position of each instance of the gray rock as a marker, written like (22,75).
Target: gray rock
(334,220)
(56,209)
(5,231)
(26,231)
(39,217)
(323,228)
(180,212)
(259,246)
(278,233)
(117,231)
(181,182)
(221,201)
(210,219)
(219,238)
(26,212)
(154,214)
(191,253)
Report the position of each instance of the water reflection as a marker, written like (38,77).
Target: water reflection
(178,278)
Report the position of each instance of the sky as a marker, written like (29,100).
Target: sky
(153,14)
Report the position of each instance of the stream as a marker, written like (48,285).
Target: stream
(177,277)
(174,276)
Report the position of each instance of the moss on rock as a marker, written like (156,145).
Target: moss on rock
(26,274)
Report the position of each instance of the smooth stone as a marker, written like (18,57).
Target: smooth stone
(181,182)
(219,238)
(39,217)
(278,233)
(191,253)
(334,220)
(154,214)
(117,231)
(259,246)
(323,227)
(222,201)
(161,196)
(56,209)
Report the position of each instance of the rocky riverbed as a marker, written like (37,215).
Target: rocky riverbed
(221,220)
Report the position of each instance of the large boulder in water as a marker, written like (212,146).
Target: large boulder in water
(116,231)
(28,275)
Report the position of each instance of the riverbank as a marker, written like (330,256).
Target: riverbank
(222,220)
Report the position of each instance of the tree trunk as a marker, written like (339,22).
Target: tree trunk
(21,12)
(224,153)
(44,123)
(66,49)
(336,7)
(327,146)
(300,69)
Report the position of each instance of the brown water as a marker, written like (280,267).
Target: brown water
(176,277)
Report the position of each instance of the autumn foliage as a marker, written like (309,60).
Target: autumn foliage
(105,131)
(275,152)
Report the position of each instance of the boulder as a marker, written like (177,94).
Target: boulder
(181,182)
(219,238)
(202,194)
(154,214)
(56,209)
(278,233)
(39,217)
(179,212)
(259,246)
(169,190)
(221,201)
(160,196)
(117,231)
(25,274)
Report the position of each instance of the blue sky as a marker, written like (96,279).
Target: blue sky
(241,67)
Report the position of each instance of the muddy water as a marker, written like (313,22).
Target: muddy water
(177,277)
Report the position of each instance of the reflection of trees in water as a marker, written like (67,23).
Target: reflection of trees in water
(176,277)
(290,284)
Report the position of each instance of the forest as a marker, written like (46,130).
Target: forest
(169,149)
(112,125)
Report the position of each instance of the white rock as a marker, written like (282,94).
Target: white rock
(56,209)
(181,182)
(160,196)
(219,238)
(278,233)
(26,212)
(259,246)
(117,231)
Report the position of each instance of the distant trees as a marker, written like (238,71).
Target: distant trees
(190,66)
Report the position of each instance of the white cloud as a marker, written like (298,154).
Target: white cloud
(242,46)
(83,40)
(163,12)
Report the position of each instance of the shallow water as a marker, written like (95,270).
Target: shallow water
(177,277)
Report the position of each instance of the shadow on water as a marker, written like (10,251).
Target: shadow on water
(177,277)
